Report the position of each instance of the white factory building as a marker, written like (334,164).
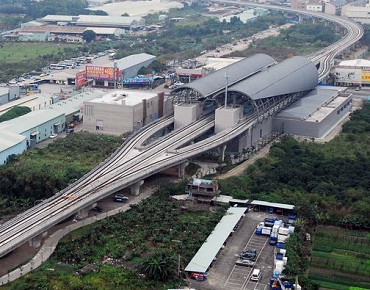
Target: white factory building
(357,12)
(127,23)
(315,114)
(354,72)
(8,93)
(123,111)
(26,131)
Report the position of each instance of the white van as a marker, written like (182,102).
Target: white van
(256,275)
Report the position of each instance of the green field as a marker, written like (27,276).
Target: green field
(15,52)
(344,253)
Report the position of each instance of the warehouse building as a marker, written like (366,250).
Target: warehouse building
(26,131)
(124,111)
(127,23)
(34,102)
(8,94)
(126,68)
(357,12)
(354,72)
(315,114)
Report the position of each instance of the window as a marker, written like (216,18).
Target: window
(260,133)
(338,112)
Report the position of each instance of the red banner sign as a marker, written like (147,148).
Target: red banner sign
(101,73)
(80,79)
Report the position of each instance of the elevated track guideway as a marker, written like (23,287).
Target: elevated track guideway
(134,161)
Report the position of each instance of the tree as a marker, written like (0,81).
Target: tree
(159,266)
(88,35)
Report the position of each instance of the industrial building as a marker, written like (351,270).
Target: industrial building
(124,111)
(8,94)
(357,12)
(65,33)
(315,114)
(27,130)
(127,23)
(34,102)
(126,68)
(354,72)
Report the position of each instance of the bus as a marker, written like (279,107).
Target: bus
(56,67)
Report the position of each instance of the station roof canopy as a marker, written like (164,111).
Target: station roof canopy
(208,251)
(216,81)
(296,74)
(272,204)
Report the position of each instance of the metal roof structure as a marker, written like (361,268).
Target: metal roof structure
(112,21)
(57,18)
(296,74)
(9,139)
(273,204)
(131,60)
(355,63)
(208,251)
(308,104)
(216,81)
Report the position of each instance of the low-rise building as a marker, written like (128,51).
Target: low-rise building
(354,72)
(123,111)
(315,114)
(203,189)
(126,68)
(8,94)
(357,13)
(127,23)
(334,7)
(26,131)
(34,102)
(317,7)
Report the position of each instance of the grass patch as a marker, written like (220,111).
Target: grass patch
(15,52)
(339,280)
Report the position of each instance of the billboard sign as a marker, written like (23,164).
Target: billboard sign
(101,72)
(365,77)
(80,79)
(137,81)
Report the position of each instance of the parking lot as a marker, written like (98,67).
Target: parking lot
(225,274)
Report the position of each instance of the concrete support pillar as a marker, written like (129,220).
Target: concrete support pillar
(314,20)
(181,170)
(36,241)
(300,18)
(135,188)
(221,151)
(83,213)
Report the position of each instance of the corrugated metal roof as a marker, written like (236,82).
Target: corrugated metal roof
(9,139)
(355,62)
(292,75)
(54,29)
(208,251)
(308,104)
(216,81)
(109,20)
(272,204)
(131,60)
(57,18)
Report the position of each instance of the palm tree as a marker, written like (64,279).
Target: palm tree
(159,266)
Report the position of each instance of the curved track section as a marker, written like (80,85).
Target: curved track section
(129,164)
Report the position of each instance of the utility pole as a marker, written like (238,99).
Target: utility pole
(178,266)
(227,84)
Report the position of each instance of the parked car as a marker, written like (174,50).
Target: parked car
(98,209)
(256,275)
(120,198)
(247,258)
(52,136)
